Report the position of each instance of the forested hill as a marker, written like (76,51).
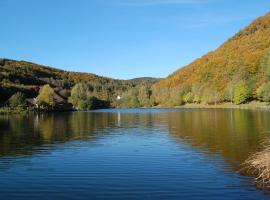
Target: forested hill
(145,79)
(240,64)
(28,78)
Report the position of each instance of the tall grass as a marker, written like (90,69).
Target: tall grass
(259,165)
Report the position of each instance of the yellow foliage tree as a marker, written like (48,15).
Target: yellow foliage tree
(46,97)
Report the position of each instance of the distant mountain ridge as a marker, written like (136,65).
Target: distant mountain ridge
(145,79)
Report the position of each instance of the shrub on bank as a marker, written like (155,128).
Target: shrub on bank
(259,165)
(17,100)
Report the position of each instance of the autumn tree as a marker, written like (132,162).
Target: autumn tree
(241,93)
(46,97)
(263,92)
(144,95)
(175,98)
(229,92)
(197,93)
(130,99)
(266,65)
(82,97)
(211,96)
(188,98)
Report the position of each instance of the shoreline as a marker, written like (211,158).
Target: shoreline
(255,105)
(27,110)
(249,106)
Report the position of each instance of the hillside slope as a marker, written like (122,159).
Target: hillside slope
(28,78)
(243,58)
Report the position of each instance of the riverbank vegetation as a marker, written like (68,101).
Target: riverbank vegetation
(259,165)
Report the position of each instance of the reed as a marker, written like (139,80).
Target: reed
(259,165)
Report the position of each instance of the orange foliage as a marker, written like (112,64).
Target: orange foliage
(238,58)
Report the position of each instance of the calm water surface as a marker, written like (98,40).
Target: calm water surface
(131,154)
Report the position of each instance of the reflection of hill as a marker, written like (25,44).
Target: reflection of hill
(22,135)
(233,134)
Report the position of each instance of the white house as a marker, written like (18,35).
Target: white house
(119,98)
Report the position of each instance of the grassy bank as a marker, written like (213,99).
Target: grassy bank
(251,105)
(19,110)
(255,105)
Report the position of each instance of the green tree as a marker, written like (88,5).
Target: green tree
(5,81)
(263,92)
(228,92)
(175,98)
(266,65)
(17,99)
(130,99)
(197,93)
(241,93)
(161,96)
(144,95)
(46,97)
(82,97)
(188,98)
(211,96)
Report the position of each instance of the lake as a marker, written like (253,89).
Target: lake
(131,154)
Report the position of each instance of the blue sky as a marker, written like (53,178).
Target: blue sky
(120,38)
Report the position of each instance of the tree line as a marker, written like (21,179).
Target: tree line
(84,96)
